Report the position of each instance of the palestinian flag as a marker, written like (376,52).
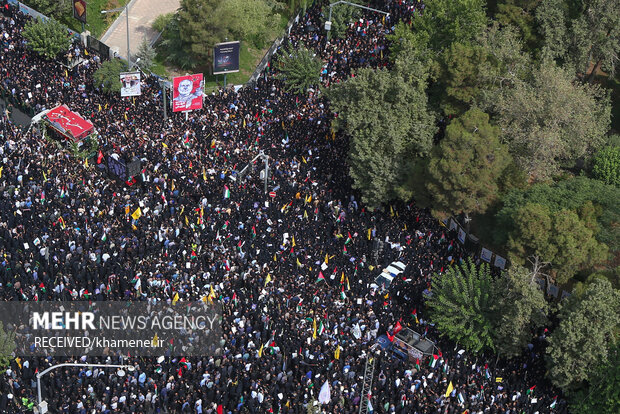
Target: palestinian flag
(343,296)
(433,361)
(349,239)
(531,390)
(104,237)
(321,328)
(321,278)
(555,401)
(414,315)
(226,192)
(253,232)
(417,364)
(234,299)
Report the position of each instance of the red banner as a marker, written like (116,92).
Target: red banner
(187,94)
(68,123)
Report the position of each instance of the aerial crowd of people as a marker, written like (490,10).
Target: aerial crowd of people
(69,232)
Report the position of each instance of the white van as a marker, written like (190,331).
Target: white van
(387,275)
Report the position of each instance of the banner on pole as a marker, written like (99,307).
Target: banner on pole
(226,57)
(187,94)
(486,255)
(461,236)
(79,10)
(130,84)
(500,262)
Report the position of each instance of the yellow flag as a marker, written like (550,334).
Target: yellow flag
(133,226)
(176,298)
(125,116)
(186,221)
(298,262)
(172,186)
(268,278)
(337,352)
(314,328)
(66,73)
(86,163)
(348,285)
(449,390)
(293,241)
(326,259)
(303,159)
(391,211)
(164,144)
(305,214)
(106,106)
(99,107)
(212,292)
(260,351)
(204,299)
(155,341)
(244,122)
(310,198)
(275,259)
(137,214)
(44,176)
(1,171)
(369,233)
(19,362)
(342,278)
(204,174)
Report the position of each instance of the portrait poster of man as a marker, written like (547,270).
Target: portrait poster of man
(79,10)
(130,84)
(187,93)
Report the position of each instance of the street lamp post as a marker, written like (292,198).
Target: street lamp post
(72,364)
(328,23)
(126,8)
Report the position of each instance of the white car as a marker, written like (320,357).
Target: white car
(384,280)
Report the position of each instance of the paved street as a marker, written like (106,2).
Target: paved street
(142,13)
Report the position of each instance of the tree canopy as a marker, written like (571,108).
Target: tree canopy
(387,117)
(461,305)
(520,308)
(107,75)
(588,328)
(299,69)
(551,119)
(465,167)
(48,38)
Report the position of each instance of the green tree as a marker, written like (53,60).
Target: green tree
(52,8)
(552,119)
(576,246)
(449,21)
(7,348)
(386,115)
(596,36)
(532,225)
(552,18)
(175,50)
(588,328)
(300,69)
(48,38)
(505,64)
(520,13)
(602,395)
(146,54)
(461,305)
(566,240)
(465,168)
(107,76)
(520,308)
(606,166)
(572,194)
(249,20)
(198,29)
(460,76)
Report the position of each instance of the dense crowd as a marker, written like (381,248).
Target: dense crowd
(67,233)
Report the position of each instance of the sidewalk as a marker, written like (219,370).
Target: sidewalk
(142,13)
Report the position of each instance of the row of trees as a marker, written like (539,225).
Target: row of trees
(478,111)
(503,314)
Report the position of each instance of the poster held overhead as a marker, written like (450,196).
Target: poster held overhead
(187,94)
(130,84)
